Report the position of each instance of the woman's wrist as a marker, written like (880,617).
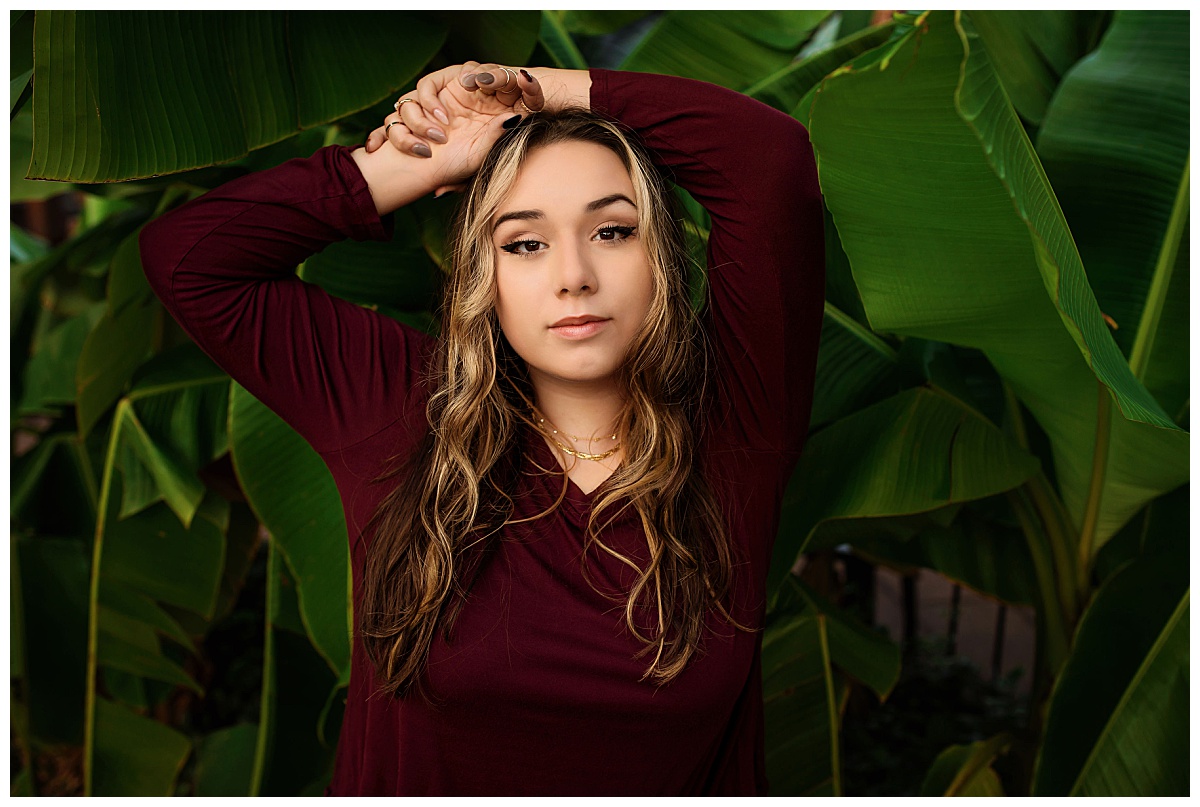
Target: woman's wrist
(394,178)
(564,88)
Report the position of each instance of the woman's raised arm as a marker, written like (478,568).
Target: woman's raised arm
(753,169)
(224,266)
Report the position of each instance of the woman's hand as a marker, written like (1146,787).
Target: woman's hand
(456,115)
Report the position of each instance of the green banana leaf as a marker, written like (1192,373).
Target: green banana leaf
(1031,50)
(124,95)
(784,88)
(965,770)
(1126,656)
(395,273)
(594,23)
(864,654)
(134,755)
(50,637)
(289,757)
(854,366)
(1143,750)
(921,144)
(294,495)
(148,553)
(732,48)
(1115,146)
(916,451)
(801,711)
(557,41)
(225,761)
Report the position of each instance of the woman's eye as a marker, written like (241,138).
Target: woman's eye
(614,233)
(522,247)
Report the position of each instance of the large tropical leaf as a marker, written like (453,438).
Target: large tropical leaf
(730,48)
(50,642)
(122,95)
(557,41)
(294,495)
(289,756)
(1125,657)
(864,654)
(1143,750)
(801,712)
(965,770)
(916,451)
(923,135)
(1115,147)
(853,367)
(134,755)
(395,273)
(1031,50)
(169,553)
(784,88)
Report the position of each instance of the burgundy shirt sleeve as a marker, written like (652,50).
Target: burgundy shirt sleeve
(753,169)
(224,266)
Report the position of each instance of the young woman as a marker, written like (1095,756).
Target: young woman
(562,509)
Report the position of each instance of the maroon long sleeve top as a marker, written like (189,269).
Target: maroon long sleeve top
(539,687)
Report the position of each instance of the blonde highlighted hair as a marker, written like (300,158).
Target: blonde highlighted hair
(453,494)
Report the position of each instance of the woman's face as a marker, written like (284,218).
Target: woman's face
(573,283)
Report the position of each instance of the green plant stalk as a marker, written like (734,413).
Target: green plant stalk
(1091,513)
(834,735)
(89,715)
(1055,524)
(263,741)
(1143,344)
(1050,610)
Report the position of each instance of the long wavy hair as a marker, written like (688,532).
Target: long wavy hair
(454,493)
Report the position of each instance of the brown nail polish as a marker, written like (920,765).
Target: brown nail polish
(422,150)
(527,76)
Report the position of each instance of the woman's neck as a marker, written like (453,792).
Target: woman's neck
(583,410)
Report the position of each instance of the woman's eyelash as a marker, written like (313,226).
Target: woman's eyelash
(624,231)
(512,246)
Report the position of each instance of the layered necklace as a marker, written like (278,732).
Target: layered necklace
(552,432)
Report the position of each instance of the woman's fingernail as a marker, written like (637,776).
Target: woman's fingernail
(422,150)
(528,77)
(511,122)
(440,115)
(484,78)
(468,81)
(438,194)
(436,134)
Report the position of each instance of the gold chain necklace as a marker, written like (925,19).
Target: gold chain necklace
(583,455)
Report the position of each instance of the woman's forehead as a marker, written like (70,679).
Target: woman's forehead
(568,178)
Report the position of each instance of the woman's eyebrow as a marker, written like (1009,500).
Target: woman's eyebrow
(592,207)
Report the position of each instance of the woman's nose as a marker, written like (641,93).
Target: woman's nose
(575,273)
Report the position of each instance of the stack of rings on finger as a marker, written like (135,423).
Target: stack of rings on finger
(397,106)
(512,73)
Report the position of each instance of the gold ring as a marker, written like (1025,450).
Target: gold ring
(396,106)
(389,126)
(512,73)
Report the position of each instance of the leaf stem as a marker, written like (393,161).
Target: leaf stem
(1143,344)
(1091,513)
(1057,527)
(1050,610)
(89,712)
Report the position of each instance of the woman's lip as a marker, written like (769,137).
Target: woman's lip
(582,331)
